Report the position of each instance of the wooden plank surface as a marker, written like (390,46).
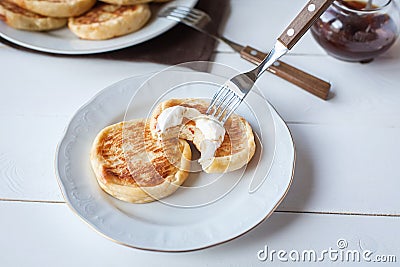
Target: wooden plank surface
(346,180)
(360,120)
(337,167)
(30,237)
(361,94)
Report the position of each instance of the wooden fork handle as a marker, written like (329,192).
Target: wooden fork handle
(308,82)
(303,21)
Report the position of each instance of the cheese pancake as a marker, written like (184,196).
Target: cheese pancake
(22,19)
(132,166)
(106,21)
(236,150)
(126,2)
(133,2)
(57,8)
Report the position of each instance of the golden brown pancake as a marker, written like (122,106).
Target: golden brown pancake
(126,2)
(57,8)
(236,150)
(133,2)
(132,166)
(106,21)
(22,19)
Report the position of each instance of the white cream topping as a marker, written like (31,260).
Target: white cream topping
(213,133)
(212,130)
(173,116)
(208,148)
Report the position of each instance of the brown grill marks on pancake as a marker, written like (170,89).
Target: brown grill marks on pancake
(54,1)
(235,138)
(110,149)
(144,163)
(103,12)
(17,10)
(165,155)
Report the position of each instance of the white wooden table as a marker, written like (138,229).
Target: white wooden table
(346,183)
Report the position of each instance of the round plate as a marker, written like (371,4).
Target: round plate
(184,221)
(63,41)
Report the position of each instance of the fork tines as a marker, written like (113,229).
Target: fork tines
(180,13)
(223,104)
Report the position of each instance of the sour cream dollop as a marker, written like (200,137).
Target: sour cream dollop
(213,131)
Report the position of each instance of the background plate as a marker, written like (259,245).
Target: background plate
(162,226)
(63,41)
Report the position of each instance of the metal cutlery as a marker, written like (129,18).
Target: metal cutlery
(202,22)
(231,94)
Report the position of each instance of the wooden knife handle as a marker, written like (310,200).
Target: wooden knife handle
(303,21)
(308,82)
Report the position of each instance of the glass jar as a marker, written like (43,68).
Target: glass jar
(357,30)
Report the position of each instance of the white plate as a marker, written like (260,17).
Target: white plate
(186,220)
(63,41)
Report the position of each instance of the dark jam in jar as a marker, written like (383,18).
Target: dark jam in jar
(354,36)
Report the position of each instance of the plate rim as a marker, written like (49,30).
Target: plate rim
(63,190)
(169,25)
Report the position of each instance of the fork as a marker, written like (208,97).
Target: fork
(226,100)
(202,22)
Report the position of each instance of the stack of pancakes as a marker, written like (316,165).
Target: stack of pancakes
(88,19)
(132,164)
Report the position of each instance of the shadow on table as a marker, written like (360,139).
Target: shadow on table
(303,181)
(295,201)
